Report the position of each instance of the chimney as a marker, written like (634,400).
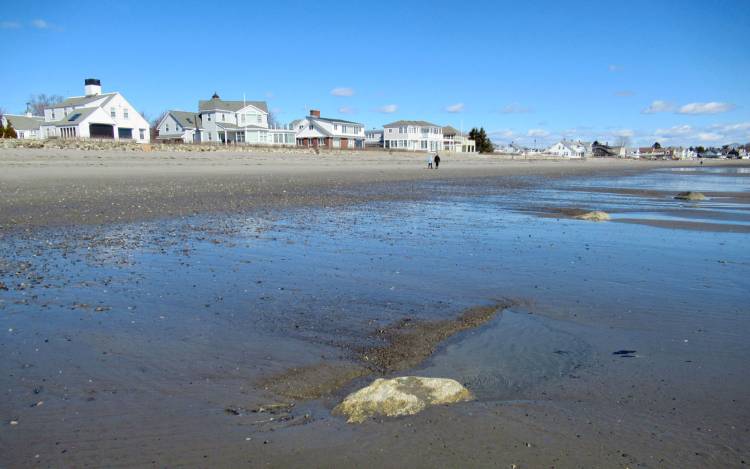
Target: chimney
(314,113)
(93,87)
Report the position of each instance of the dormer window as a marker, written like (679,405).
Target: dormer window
(112,112)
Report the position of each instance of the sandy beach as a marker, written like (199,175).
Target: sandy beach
(211,310)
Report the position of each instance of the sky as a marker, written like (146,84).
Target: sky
(531,72)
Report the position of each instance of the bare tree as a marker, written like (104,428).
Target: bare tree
(38,102)
(272,122)
(154,123)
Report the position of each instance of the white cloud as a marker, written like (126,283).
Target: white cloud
(624,133)
(40,24)
(658,106)
(503,133)
(676,131)
(709,136)
(614,68)
(388,108)
(537,133)
(515,108)
(342,92)
(729,128)
(706,108)
(346,110)
(458,107)
(10,25)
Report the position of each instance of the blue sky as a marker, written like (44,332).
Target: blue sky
(530,72)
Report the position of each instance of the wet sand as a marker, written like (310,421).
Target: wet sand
(178,333)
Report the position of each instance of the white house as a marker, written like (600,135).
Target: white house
(179,126)
(374,138)
(413,135)
(26,126)
(224,122)
(456,142)
(95,115)
(320,132)
(570,149)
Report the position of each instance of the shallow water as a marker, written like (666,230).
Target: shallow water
(170,322)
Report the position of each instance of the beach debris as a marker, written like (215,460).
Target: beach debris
(690,196)
(625,353)
(405,395)
(596,215)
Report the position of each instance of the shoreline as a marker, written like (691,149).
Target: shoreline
(51,188)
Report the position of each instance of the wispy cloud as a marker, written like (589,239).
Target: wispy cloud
(40,24)
(709,137)
(675,131)
(658,106)
(388,108)
(502,133)
(624,93)
(537,133)
(342,92)
(515,108)
(458,107)
(614,68)
(706,108)
(347,110)
(10,25)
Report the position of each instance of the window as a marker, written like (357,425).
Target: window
(242,118)
(335,127)
(53,114)
(142,133)
(259,119)
(424,144)
(222,117)
(166,128)
(311,126)
(125,113)
(112,112)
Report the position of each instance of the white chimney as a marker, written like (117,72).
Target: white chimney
(93,87)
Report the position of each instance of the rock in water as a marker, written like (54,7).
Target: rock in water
(690,196)
(596,215)
(406,395)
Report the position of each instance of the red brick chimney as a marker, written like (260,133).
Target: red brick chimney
(314,113)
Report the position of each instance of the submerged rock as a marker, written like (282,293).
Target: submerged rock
(406,395)
(596,215)
(690,196)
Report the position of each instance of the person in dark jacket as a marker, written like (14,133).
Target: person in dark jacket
(437,160)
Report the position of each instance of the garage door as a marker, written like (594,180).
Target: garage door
(101,131)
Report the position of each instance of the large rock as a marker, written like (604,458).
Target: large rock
(596,215)
(690,196)
(405,395)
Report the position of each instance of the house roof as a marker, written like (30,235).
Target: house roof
(187,120)
(448,130)
(418,123)
(338,121)
(81,100)
(74,118)
(24,122)
(234,106)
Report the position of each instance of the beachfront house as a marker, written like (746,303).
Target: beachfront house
(570,149)
(457,142)
(27,127)
(224,122)
(320,132)
(178,127)
(374,138)
(413,136)
(94,115)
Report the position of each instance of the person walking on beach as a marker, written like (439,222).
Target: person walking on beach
(429,162)
(437,160)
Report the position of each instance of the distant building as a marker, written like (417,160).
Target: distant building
(570,149)
(320,132)
(224,122)
(413,136)
(95,115)
(655,153)
(27,127)
(456,142)
(374,138)
(510,149)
